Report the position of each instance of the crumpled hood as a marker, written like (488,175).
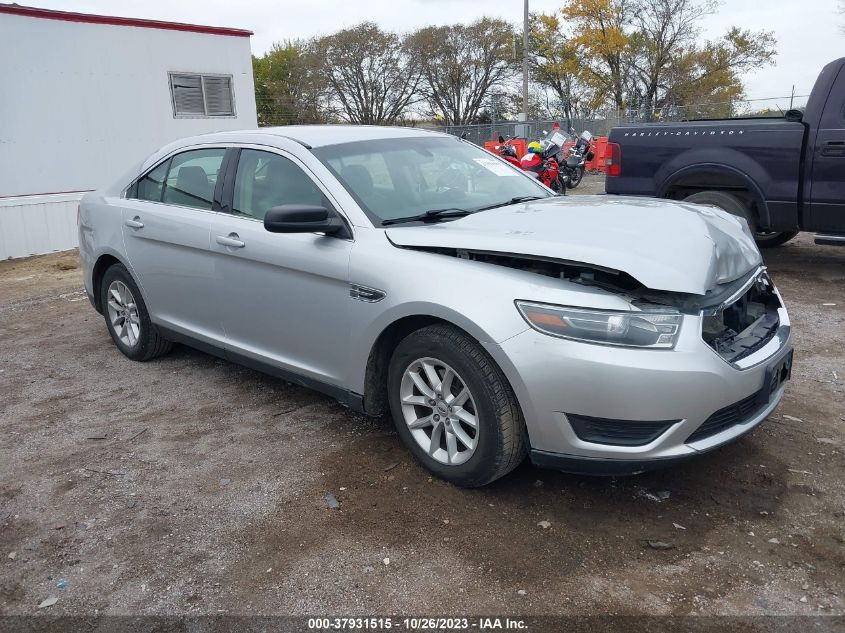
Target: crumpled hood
(662,244)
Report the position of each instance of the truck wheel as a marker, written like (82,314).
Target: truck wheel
(453,407)
(733,205)
(768,239)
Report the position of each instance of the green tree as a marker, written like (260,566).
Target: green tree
(287,88)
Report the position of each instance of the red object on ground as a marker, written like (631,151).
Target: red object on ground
(600,152)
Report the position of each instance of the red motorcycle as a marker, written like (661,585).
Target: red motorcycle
(542,164)
(542,160)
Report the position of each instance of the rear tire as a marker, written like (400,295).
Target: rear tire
(462,366)
(733,205)
(127,318)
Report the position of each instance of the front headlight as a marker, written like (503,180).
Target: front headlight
(606,327)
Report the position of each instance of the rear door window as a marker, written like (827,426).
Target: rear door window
(192,177)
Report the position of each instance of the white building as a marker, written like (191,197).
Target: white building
(87,97)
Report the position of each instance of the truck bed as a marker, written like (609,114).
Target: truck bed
(655,157)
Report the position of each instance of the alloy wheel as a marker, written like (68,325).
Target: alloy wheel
(123,313)
(439,410)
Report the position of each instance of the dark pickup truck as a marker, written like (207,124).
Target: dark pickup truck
(784,175)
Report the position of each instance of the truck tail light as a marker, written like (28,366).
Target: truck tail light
(78,213)
(613,159)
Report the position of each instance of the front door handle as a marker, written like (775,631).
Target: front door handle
(833,148)
(134,223)
(232,240)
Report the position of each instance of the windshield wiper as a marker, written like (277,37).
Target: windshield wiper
(516,200)
(429,216)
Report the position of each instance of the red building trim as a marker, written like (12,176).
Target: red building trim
(67,16)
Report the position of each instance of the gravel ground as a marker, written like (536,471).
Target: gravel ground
(208,492)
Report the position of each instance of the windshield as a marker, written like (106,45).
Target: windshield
(398,178)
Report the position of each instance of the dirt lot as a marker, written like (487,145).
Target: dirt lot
(207,494)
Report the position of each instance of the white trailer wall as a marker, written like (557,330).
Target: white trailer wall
(32,225)
(82,103)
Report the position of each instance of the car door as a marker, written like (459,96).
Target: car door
(827,188)
(283,297)
(166,233)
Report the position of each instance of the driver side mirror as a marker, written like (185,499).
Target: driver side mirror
(303,218)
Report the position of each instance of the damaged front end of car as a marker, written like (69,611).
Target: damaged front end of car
(746,322)
(738,318)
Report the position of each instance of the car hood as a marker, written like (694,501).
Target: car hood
(662,244)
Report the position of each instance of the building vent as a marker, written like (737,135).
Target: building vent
(201,95)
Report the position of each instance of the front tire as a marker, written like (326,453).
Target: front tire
(733,205)
(127,318)
(575,178)
(453,407)
(559,185)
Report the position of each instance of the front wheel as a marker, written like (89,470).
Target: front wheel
(453,407)
(575,177)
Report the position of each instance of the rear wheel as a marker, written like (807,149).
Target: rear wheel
(735,206)
(768,239)
(453,407)
(127,318)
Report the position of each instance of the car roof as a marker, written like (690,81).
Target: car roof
(308,135)
(322,135)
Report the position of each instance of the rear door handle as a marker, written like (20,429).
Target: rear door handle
(232,240)
(134,223)
(833,148)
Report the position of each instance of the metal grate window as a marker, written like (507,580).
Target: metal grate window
(201,95)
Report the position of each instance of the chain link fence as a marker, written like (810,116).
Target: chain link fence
(483,132)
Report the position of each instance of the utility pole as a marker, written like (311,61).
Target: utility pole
(525,64)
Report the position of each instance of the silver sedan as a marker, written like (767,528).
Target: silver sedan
(412,273)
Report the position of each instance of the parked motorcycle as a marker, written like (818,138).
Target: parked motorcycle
(544,162)
(574,162)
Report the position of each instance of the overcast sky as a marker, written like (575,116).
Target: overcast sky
(809,32)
